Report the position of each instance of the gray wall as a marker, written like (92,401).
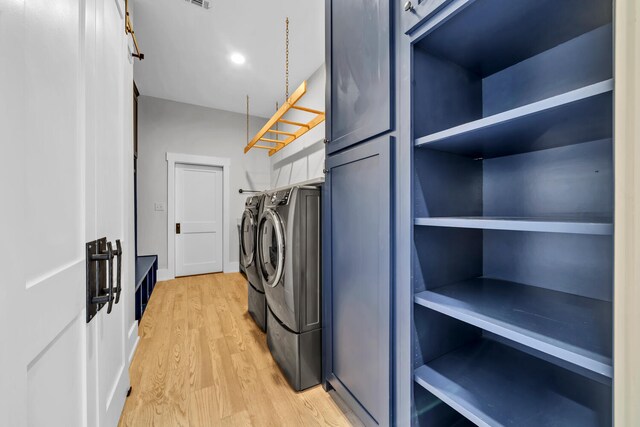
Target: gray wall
(168,126)
(303,159)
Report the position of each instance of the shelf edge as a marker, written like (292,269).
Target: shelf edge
(515,334)
(519,112)
(603,229)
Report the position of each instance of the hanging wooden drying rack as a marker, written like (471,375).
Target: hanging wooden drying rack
(278,117)
(291,103)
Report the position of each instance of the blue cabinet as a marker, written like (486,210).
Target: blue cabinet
(359,77)
(358,294)
(417,11)
(358,234)
(508,116)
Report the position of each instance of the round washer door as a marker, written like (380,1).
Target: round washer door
(248,241)
(271,248)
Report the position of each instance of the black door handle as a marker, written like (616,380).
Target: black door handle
(110,289)
(108,298)
(118,253)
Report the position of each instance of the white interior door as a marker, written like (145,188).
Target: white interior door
(109,161)
(198,198)
(62,185)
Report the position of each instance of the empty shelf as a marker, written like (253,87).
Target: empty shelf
(581,115)
(572,328)
(491,35)
(495,385)
(549,225)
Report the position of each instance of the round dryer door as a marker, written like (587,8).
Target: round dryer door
(248,242)
(271,248)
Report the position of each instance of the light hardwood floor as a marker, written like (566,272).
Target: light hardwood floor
(201,361)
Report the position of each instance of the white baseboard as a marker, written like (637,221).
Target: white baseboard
(234,267)
(133,349)
(164,274)
(132,339)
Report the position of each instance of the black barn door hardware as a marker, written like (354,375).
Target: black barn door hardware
(118,254)
(99,257)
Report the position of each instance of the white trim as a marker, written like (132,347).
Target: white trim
(315,182)
(626,298)
(234,267)
(134,347)
(190,159)
(164,274)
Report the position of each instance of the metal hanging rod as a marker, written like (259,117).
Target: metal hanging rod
(249,191)
(128,28)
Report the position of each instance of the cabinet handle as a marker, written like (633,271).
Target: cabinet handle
(408,7)
(118,253)
(178,228)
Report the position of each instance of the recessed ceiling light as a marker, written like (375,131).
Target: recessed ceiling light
(238,58)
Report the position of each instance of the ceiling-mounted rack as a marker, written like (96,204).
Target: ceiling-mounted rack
(278,117)
(273,142)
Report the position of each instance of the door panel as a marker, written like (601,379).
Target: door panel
(199,213)
(359,65)
(62,105)
(358,286)
(54,396)
(107,331)
(54,214)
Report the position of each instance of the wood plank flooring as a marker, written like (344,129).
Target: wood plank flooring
(202,361)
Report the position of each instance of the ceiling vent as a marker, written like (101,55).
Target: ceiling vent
(205,4)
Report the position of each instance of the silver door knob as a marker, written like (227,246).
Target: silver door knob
(408,7)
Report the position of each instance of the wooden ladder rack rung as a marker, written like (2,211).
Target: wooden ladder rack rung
(308,110)
(275,141)
(289,122)
(280,132)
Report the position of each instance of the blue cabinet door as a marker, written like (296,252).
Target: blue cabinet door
(358,56)
(415,12)
(357,277)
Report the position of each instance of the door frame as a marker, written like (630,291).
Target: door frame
(190,159)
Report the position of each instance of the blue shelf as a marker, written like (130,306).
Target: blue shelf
(570,327)
(577,116)
(495,385)
(547,225)
(490,35)
(143,265)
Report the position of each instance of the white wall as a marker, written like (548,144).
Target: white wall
(303,159)
(168,126)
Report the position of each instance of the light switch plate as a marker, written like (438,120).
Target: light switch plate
(159,206)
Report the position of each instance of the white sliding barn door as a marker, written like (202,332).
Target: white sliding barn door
(65,132)
(199,200)
(109,181)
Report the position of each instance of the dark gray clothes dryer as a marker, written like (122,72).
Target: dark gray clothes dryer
(249,259)
(289,252)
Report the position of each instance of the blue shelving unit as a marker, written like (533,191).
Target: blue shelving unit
(511,118)
(146,278)
(493,384)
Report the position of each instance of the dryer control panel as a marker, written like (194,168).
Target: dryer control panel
(279,198)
